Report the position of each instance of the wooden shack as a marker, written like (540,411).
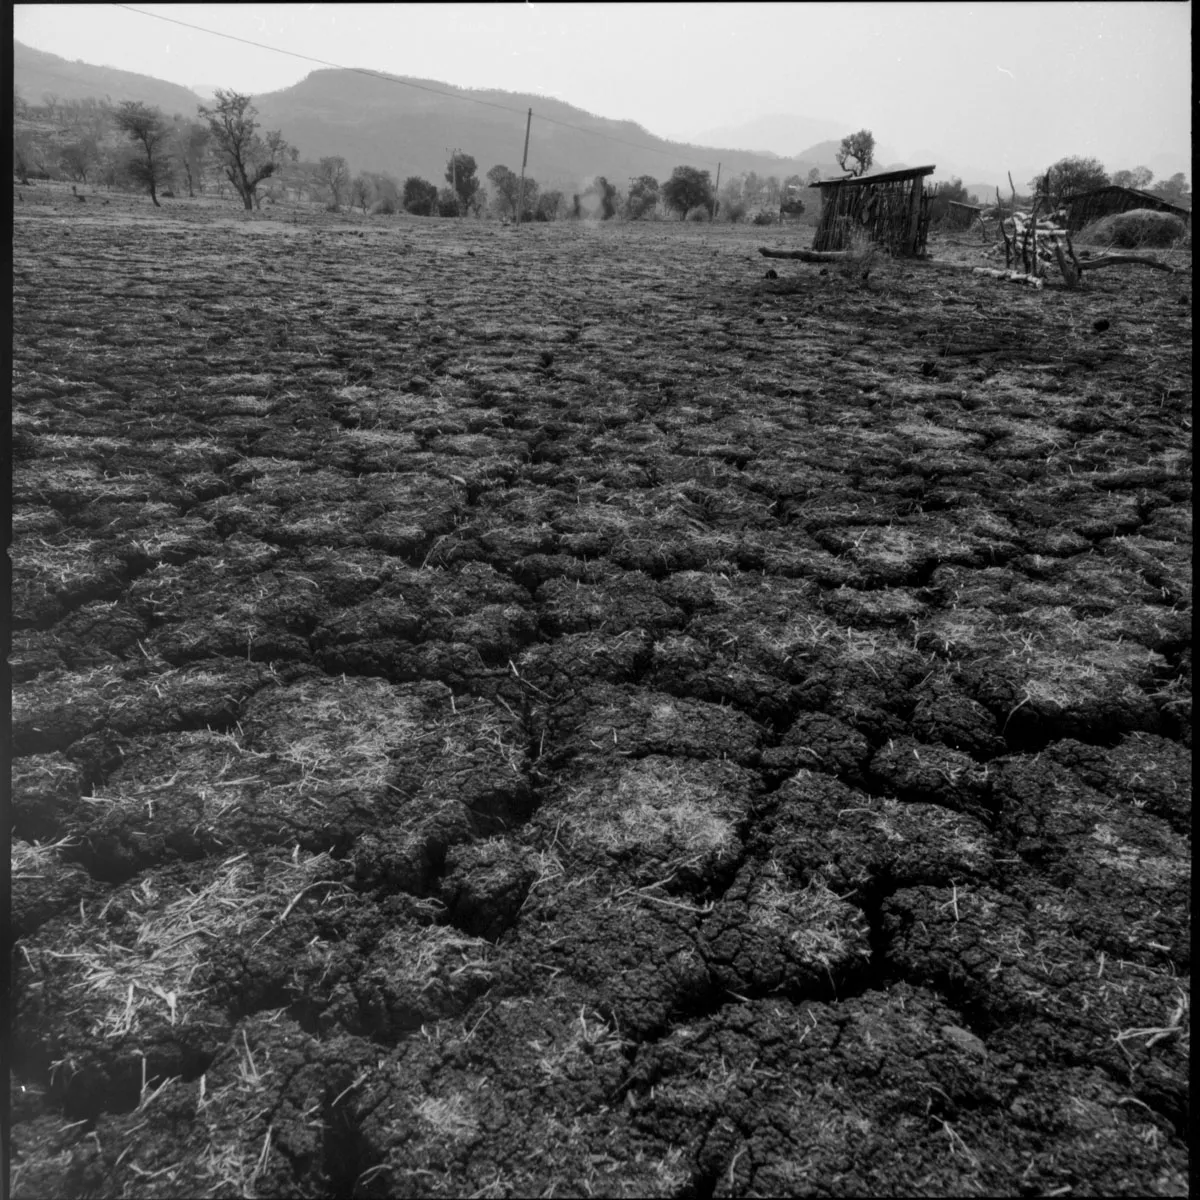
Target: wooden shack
(892,208)
(960,215)
(1085,207)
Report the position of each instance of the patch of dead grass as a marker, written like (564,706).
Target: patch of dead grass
(126,978)
(822,929)
(657,807)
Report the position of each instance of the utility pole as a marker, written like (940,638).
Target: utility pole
(716,189)
(454,171)
(524,160)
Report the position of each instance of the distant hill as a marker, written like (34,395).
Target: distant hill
(37,74)
(381,123)
(779,133)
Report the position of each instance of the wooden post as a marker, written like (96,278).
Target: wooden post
(914,216)
(1036,269)
(524,160)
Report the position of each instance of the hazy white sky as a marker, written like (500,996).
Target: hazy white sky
(1000,83)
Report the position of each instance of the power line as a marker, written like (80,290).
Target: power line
(393,79)
(609,137)
(319,61)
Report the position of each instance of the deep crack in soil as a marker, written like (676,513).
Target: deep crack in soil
(552,711)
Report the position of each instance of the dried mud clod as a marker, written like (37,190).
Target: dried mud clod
(610,724)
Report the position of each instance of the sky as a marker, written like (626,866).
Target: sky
(998,83)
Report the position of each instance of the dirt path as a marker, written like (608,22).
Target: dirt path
(558,712)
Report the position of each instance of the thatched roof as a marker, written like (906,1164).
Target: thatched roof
(882,177)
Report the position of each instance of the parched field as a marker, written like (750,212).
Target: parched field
(557,712)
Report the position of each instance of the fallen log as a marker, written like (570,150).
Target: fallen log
(818,256)
(1121,260)
(1034,281)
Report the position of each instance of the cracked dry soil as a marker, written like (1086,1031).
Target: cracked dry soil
(554,712)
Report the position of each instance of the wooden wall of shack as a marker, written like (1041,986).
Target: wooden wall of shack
(1104,202)
(893,212)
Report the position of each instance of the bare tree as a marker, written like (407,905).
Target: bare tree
(192,142)
(360,190)
(87,117)
(108,169)
(282,155)
(334,173)
(246,158)
(149,133)
(509,192)
(77,157)
(1138,177)
(860,147)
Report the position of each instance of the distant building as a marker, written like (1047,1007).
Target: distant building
(960,215)
(1085,207)
(892,208)
(791,204)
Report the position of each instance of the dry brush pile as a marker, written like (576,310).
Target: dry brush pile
(550,711)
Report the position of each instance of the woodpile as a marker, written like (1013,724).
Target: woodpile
(1032,242)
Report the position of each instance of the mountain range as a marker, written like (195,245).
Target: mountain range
(408,126)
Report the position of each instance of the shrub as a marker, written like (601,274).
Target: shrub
(699,213)
(763,218)
(420,196)
(862,254)
(734,212)
(1140,227)
(687,188)
(385,207)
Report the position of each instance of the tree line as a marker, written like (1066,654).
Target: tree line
(156,155)
(135,144)
(1075,174)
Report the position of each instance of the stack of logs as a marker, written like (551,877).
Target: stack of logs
(1033,242)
